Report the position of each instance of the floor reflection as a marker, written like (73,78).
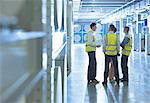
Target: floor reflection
(92,93)
(123,94)
(135,91)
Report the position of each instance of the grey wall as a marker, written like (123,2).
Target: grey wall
(28,12)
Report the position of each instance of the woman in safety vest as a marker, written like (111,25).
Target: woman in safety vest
(111,49)
(111,67)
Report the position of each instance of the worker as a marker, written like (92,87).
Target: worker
(126,50)
(111,67)
(111,50)
(91,49)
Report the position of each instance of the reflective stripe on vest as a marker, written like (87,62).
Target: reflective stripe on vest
(110,50)
(110,45)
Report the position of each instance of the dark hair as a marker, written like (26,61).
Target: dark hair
(115,29)
(112,27)
(92,25)
(126,27)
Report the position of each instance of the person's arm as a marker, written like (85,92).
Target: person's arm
(104,44)
(125,41)
(131,42)
(118,44)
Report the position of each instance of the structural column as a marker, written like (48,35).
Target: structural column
(49,50)
(69,33)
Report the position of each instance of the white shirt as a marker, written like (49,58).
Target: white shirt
(90,35)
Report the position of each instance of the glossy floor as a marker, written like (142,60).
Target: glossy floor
(137,90)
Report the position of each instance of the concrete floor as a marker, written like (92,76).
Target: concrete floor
(137,90)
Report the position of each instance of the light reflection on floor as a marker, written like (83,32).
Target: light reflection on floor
(137,90)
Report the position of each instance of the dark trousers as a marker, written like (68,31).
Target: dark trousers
(124,66)
(108,59)
(92,66)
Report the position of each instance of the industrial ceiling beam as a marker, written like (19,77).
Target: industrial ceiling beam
(94,6)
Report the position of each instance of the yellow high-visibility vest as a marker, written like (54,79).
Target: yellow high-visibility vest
(111,44)
(127,48)
(89,48)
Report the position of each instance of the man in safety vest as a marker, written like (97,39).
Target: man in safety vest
(126,50)
(90,49)
(111,50)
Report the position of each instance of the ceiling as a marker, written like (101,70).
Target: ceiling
(87,10)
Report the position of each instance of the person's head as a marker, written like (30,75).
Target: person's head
(126,29)
(111,27)
(93,26)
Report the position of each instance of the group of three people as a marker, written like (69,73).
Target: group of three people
(111,49)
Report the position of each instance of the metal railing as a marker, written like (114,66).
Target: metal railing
(59,76)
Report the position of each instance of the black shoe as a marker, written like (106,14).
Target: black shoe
(89,81)
(95,81)
(104,83)
(123,80)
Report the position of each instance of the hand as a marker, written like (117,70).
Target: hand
(122,46)
(118,54)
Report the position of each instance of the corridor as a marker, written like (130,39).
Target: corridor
(42,50)
(137,90)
